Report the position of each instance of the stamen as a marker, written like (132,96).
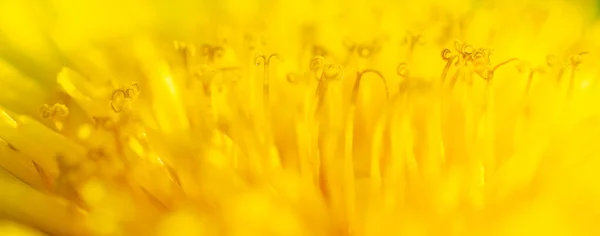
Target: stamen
(55,112)
(348,161)
(212,52)
(575,62)
(122,99)
(449,57)
(412,40)
(265,61)
(324,73)
(186,50)
(359,77)
(119,102)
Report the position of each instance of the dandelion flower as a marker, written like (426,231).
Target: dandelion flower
(271,117)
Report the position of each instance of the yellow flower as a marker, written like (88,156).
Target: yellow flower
(290,118)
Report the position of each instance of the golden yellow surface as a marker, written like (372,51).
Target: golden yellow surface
(293,118)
